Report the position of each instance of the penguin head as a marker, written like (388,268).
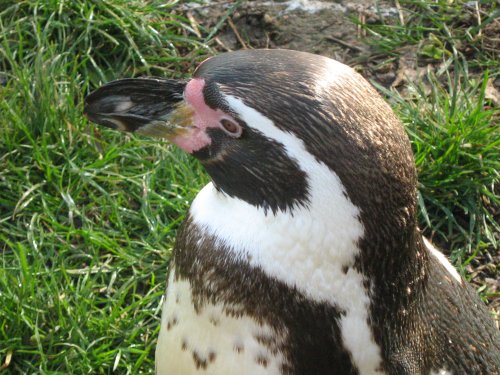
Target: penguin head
(251,116)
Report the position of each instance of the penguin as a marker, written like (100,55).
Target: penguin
(302,256)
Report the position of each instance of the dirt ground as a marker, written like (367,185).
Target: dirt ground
(323,27)
(326,27)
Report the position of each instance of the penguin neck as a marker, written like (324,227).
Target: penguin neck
(322,249)
(401,274)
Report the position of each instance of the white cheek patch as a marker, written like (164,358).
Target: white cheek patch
(310,249)
(210,341)
(442,259)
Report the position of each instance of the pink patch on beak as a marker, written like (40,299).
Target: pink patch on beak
(204,117)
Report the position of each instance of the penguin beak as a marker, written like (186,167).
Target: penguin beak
(153,107)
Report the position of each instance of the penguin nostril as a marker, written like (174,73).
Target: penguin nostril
(232,128)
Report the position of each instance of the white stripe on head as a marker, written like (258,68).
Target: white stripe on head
(309,248)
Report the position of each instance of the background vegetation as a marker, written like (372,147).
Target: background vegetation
(88,217)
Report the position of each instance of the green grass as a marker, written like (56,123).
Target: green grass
(440,29)
(88,217)
(105,39)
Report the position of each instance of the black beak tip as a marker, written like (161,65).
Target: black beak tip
(97,118)
(87,106)
(93,110)
(91,101)
(89,113)
(131,103)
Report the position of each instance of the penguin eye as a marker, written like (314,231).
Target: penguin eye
(231,127)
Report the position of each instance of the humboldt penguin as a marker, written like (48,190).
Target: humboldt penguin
(303,255)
